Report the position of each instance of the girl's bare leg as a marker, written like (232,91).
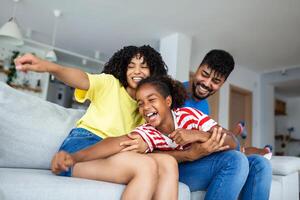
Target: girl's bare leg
(139,172)
(167,186)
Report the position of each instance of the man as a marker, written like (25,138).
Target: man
(208,79)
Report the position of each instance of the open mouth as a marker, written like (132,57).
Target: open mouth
(201,89)
(137,79)
(151,116)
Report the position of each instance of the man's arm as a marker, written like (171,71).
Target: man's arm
(184,136)
(200,149)
(230,139)
(180,156)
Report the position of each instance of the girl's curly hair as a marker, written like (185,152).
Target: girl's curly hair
(118,63)
(167,86)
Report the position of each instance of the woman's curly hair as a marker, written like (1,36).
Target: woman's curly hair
(167,86)
(118,63)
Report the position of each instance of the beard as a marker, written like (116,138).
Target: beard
(198,96)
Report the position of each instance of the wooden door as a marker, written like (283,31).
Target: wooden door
(213,102)
(240,108)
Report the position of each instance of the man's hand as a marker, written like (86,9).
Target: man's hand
(213,144)
(61,161)
(136,144)
(184,136)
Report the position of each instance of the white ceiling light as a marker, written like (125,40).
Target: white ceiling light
(51,56)
(10,32)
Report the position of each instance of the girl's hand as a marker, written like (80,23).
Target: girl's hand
(29,62)
(184,136)
(61,161)
(136,144)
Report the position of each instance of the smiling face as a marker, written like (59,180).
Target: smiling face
(137,70)
(154,107)
(206,82)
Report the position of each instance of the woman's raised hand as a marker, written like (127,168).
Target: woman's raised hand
(29,62)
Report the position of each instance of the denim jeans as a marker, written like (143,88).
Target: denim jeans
(225,174)
(258,183)
(78,139)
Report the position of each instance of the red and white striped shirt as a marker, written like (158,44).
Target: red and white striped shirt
(186,118)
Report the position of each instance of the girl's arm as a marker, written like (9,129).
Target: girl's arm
(110,146)
(70,76)
(103,149)
(62,160)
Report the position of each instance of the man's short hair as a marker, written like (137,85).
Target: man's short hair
(220,61)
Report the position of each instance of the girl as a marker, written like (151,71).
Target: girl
(112,112)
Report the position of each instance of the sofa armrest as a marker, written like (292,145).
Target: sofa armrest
(285,165)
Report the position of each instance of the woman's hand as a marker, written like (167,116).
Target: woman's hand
(136,144)
(29,62)
(61,161)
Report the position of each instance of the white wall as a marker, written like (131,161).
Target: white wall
(266,104)
(283,122)
(245,79)
(293,115)
(175,50)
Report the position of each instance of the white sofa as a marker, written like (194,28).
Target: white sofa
(31,131)
(285,179)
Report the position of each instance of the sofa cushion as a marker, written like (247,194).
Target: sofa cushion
(33,184)
(284,165)
(31,129)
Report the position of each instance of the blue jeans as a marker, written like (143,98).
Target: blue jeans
(225,174)
(258,183)
(78,139)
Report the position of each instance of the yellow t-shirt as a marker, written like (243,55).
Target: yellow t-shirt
(112,112)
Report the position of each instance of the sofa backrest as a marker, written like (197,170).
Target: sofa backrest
(31,129)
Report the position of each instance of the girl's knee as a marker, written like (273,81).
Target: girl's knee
(139,165)
(147,167)
(168,161)
(167,165)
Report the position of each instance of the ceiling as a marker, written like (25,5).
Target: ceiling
(261,35)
